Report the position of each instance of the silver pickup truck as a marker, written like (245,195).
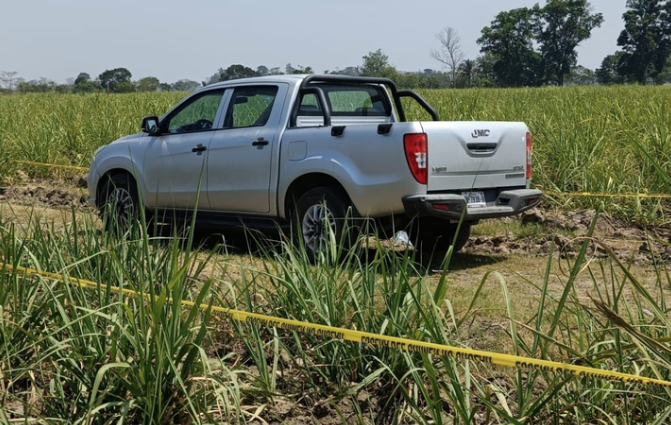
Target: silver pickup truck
(304,151)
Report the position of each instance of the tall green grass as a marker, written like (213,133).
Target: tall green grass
(67,129)
(76,356)
(69,355)
(584,137)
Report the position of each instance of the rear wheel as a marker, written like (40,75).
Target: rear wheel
(319,222)
(430,234)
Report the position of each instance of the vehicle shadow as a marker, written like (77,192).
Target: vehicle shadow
(465,261)
(262,245)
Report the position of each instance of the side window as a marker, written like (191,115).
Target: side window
(197,114)
(344,101)
(358,101)
(250,106)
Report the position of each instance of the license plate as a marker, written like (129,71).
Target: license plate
(475,199)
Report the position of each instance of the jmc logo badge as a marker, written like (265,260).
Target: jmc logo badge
(480,133)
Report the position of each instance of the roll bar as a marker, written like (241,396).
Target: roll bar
(348,80)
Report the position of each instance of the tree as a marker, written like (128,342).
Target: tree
(147,84)
(164,87)
(300,69)
(484,71)
(43,85)
(116,80)
(350,70)
(184,85)
(62,88)
(214,78)
(289,69)
(562,26)
(663,76)
(82,78)
(435,80)
(510,41)
(408,80)
(84,84)
(467,70)
(449,53)
(580,75)
(614,69)
(376,64)
(646,36)
(262,70)
(124,87)
(8,78)
(236,71)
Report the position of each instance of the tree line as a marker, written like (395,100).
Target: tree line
(537,46)
(118,80)
(522,47)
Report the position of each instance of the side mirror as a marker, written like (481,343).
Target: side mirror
(150,125)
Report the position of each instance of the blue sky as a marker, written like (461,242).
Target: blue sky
(172,39)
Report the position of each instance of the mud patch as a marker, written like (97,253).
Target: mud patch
(566,231)
(41,196)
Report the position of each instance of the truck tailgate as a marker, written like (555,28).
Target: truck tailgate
(478,155)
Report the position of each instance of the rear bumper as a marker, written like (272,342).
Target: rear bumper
(453,206)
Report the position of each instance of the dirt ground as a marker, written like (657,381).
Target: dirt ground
(517,248)
(505,246)
(50,199)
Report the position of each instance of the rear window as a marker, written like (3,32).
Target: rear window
(348,101)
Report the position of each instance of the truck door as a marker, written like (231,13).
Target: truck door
(174,161)
(239,157)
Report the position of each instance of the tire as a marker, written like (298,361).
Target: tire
(314,211)
(430,235)
(119,207)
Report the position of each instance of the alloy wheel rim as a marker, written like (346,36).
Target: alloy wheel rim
(315,226)
(122,204)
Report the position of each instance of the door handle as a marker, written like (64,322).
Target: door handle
(199,148)
(260,142)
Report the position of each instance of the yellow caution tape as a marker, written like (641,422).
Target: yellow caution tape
(42,164)
(611,195)
(378,340)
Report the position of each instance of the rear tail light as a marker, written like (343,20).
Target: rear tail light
(528,156)
(417,155)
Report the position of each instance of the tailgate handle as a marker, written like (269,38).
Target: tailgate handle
(481,147)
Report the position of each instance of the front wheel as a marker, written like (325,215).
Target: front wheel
(319,224)
(119,208)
